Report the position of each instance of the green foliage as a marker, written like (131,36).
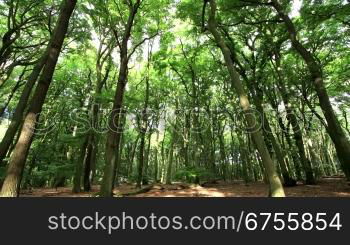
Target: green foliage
(194,174)
(186,73)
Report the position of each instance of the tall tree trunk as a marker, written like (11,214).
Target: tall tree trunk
(87,165)
(156,165)
(80,166)
(148,154)
(120,150)
(276,188)
(169,173)
(141,159)
(222,150)
(131,160)
(95,108)
(162,151)
(245,161)
(286,134)
(114,132)
(14,174)
(334,129)
(267,130)
(143,131)
(297,134)
(155,153)
(288,180)
(186,139)
(78,173)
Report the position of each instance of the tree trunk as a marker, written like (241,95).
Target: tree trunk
(288,180)
(143,129)
(222,151)
(12,93)
(14,174)
(95,108)
(276,188)
(114,130)
(170,160)
(131,160)
(286,134)
(21,105)
(87,165)
(334,129)
(156,165)
(148,154)
(245,161)
(80,167)
(267,131)
(298,135)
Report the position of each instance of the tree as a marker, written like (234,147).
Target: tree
(13,178)
(334,129)
(276,188)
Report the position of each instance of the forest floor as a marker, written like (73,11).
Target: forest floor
(326,187)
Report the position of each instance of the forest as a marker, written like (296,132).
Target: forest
(103,98)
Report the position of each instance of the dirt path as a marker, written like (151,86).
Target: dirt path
(327,187)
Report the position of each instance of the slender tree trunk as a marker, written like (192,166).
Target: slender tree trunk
(298,136)
(79,168)
(186,140)
(245,161)
(87,165)
(268,134)
(95,108)
(162,151)
(148,154)
(114,132)
(156,165)
(286,134)
(141,160)
(120,151)
(12,93)
(222,151)
(288,180)
(170,160)
(155,153)
(131,163)
(276,188)
(143,128)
